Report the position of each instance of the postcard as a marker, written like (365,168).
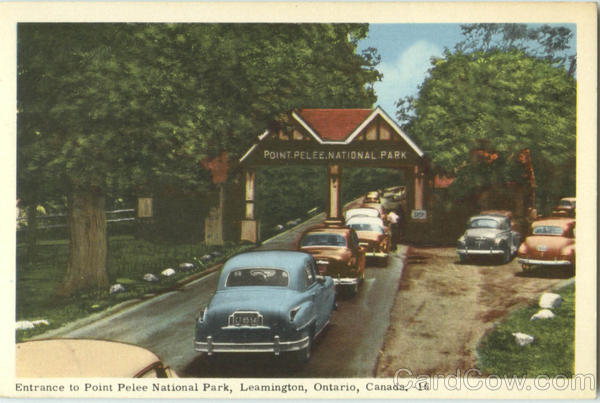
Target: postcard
(312,200)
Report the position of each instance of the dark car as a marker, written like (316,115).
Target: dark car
(551,243)
(338,254)
(267,301)
(565,207)
(489,234)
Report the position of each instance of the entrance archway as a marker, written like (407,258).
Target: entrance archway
(336,138)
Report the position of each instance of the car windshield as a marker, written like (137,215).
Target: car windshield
(258,276)
(567,203)
(323,240)
(366,227)
(484,223)
(547,230)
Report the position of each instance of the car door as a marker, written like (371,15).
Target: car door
(317,292)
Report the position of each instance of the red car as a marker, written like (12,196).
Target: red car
(337,253)
(551,243)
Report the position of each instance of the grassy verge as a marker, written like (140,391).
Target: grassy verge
(129,259)
(551,353)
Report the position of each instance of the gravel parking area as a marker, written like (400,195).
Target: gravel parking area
(443,308)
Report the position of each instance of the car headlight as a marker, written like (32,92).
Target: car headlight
(461,239)
(498,240)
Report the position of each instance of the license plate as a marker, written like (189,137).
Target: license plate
(542,248)
(322,262)
(250,319)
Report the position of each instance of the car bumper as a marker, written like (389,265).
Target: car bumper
(537,262)
(346,281)
(485,252)
(276,346)
(376,254)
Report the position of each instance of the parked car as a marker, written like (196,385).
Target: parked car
(394,198)
(551,243)
(362,211)
(372,197)
(267,301)
(489,234)
(565,208)
(86,358)
(373,235)
(375,206)
(338,254)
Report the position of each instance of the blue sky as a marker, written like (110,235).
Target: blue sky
(406,50)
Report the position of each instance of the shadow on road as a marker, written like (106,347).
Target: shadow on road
(548,272)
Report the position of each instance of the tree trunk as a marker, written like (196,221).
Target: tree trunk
(86,268)
(32,231)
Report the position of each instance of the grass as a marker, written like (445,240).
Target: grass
(128,260)
(550,354)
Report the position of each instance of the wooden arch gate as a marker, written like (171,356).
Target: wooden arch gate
(335,138)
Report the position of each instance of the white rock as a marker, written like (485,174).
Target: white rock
(168,272)
(115,288)
(550,301)
(543,314)
(24,324)
(40,322)
(186,266)
(523,339)
(150,277)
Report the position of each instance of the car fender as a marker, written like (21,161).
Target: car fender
(305,316)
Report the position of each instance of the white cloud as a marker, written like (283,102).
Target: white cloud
(403,76)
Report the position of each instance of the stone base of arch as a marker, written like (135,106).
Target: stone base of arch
(250,231)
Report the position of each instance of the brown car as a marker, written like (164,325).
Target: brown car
(337,253)
(373,235)
(551,243)
(372,197)
(86,358)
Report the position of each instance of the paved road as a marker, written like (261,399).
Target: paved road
(349,348)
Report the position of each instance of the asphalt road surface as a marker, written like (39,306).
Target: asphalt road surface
(350,347)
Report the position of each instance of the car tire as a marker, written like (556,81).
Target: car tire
(301,357)
(526,267)
(506,255)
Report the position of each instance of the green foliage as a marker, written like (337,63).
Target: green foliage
(503,102)
(128,260)
(551,353)
(123,106)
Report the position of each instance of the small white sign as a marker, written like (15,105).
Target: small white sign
(418,214)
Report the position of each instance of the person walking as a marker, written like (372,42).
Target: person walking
(394,220)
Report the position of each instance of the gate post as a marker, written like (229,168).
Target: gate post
(334,200)
(249,230)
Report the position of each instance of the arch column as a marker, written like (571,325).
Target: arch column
(334,211)
(249,230)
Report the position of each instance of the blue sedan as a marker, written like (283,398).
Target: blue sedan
(267,301)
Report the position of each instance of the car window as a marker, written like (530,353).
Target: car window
(309,274)
(257,276)
(366,227)
(323,239)
(547,230)
(483,223)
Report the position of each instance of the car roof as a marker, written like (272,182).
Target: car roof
(571,199)
(364,220)
(328,230)
(496,217)
(291,261)
(77,358)
(363,210)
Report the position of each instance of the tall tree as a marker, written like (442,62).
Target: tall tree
(108,108)
(550,42)
(503,102)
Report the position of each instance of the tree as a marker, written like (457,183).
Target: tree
(502,102)
(540,41)
(111,108)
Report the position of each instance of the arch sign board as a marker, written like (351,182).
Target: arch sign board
(335,138)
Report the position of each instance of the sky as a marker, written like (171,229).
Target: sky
(406,50)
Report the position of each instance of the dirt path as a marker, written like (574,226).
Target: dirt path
(443,308)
